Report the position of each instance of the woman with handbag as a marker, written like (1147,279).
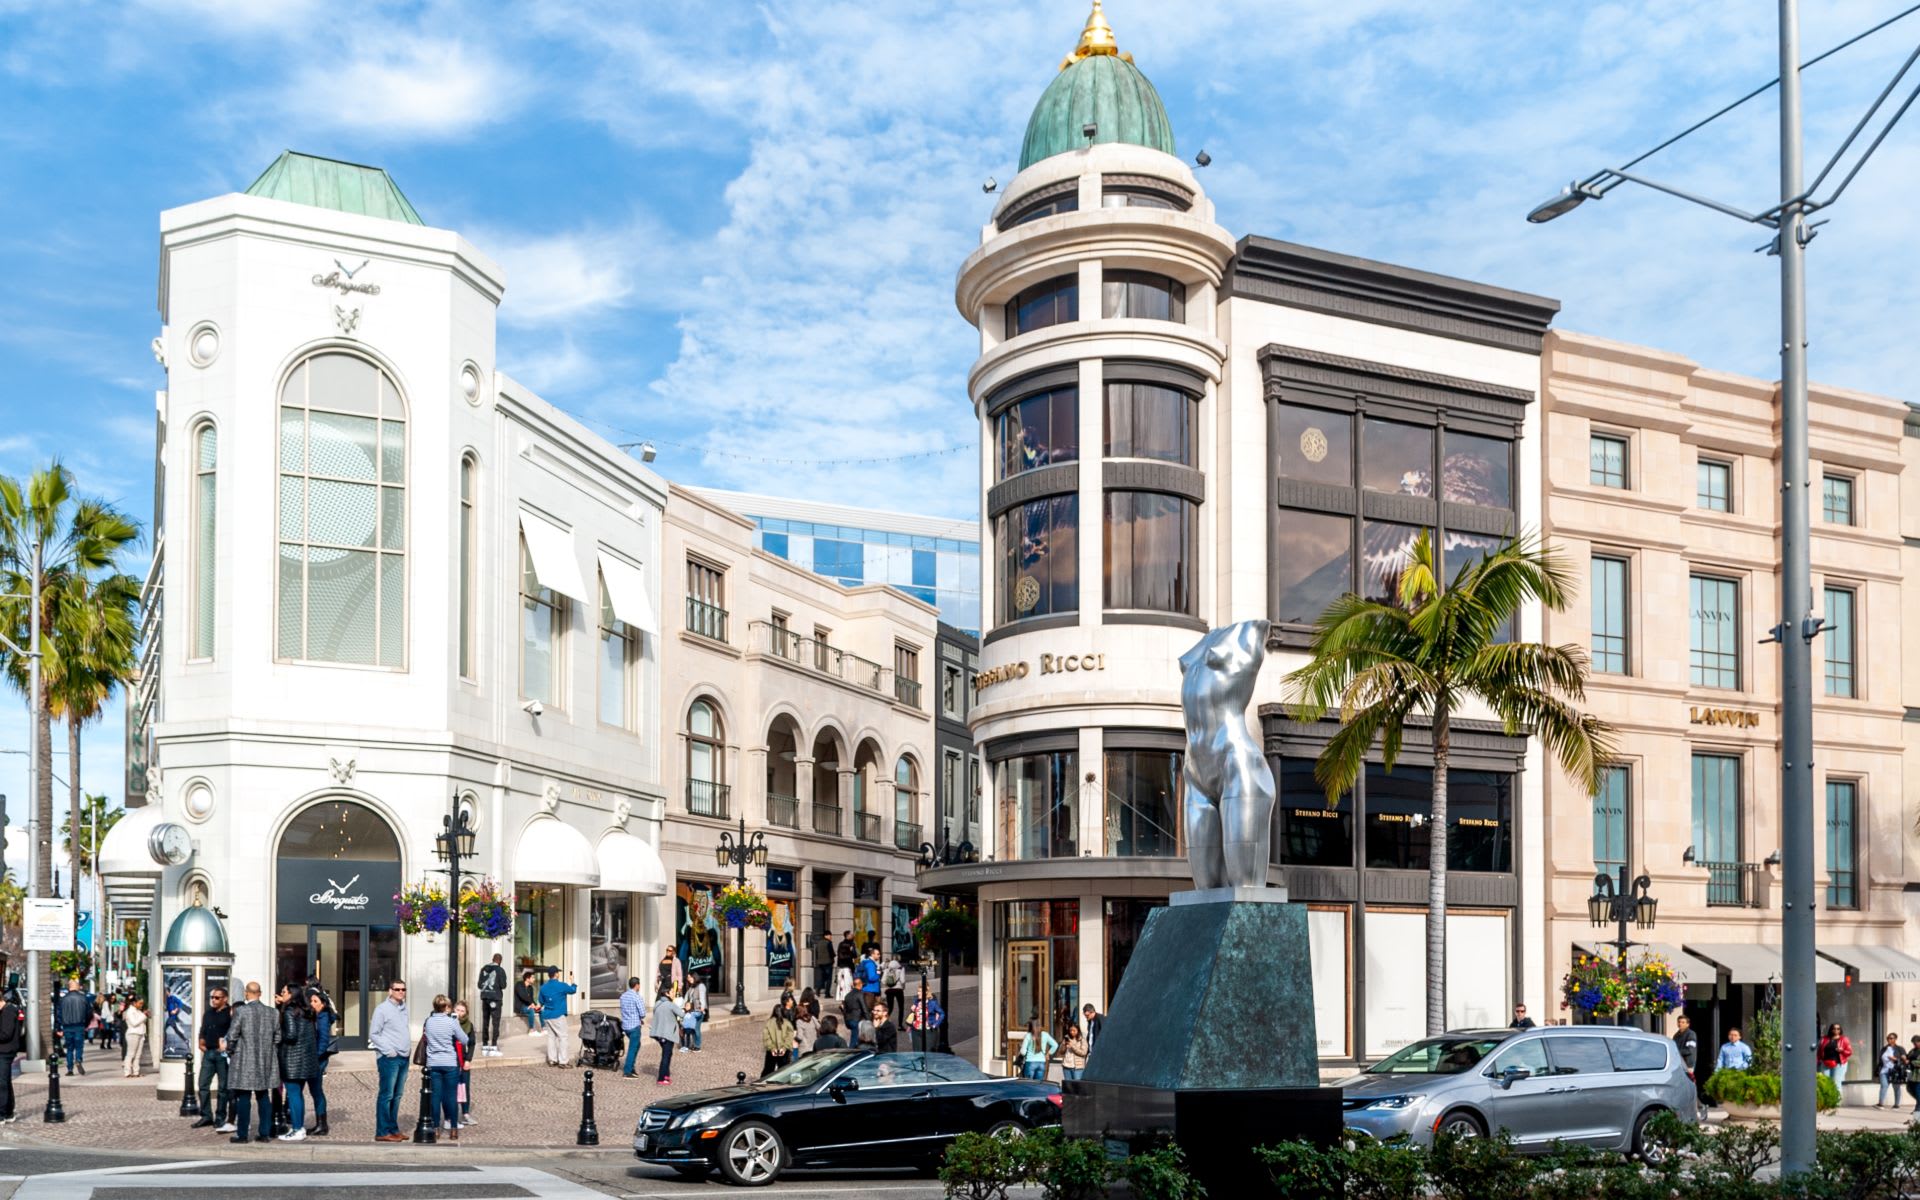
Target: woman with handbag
(1834,1052)
(299,1063)
(466,1065)
(1894,1069)
(443,1039)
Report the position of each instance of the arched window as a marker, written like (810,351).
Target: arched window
(906,804)
(342,569)
(706,761)
(205,490)
(469,544)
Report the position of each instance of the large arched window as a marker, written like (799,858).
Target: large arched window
(205,491)
(342,571)
(906,804)
(706,761)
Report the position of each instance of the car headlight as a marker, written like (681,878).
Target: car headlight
(1395,1103)
(699,1116)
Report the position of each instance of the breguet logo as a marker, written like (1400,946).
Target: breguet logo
(340,897)
(341,279)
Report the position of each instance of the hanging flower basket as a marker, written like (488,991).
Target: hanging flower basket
(422,907)
(740,906)
(1600,990)
(944,927)
(485,911)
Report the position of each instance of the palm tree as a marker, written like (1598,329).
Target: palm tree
(95,629)
(1430,652)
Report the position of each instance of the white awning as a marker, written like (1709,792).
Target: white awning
(628,864)
(1757,962)
(552,851)
(1875,964)
(627,588)
(554,560)
(1686,968)
(124,850)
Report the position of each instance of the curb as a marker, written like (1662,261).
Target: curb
(355,1151)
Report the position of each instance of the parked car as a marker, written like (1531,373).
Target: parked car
(839,1108)
(1586,1085)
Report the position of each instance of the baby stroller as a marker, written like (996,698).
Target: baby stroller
(601,1042)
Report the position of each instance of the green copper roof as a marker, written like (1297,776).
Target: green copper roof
(1109,92)
(329,183)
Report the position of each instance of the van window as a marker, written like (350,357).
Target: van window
(1580,1056)
(1530,1056)
(1637,1054)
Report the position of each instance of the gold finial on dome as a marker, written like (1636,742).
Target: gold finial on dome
(1096,38)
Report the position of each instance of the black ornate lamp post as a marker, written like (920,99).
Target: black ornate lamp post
(738,852)
(945,854)
(1617,904)
(452,845)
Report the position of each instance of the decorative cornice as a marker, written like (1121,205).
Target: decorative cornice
(1292,367)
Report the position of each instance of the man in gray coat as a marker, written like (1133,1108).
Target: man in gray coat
(254,1064)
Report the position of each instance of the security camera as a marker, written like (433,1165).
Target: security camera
(533,708)
(1089,131)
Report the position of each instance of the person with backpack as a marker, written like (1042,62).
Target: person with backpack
(492,986)
(1894,1070)
(893,985)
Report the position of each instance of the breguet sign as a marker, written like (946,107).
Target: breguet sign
(339,891)
(1050,664)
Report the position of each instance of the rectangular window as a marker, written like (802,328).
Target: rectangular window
(1038,946)
(1040,806)
(1314,445)
(1050,303)
(906,675)
(1142,294)
(1396,457)
(1477,470)
(1843,812)
(608,941)
(1312,564)
(1716,808)
(1038,543)
(1836,499)
(205,454)
(1607,461)
(1610,646)
(1037,431)
(542,623)
(617,645)
(1143,803)
(706,600)
(953,777)
(1150,546)
(1713,489)
(1150,420)
(1313,830)
(1399,804)
(1714,649)
(1837,643)
(1479,820)
(1610,820)
(953,692)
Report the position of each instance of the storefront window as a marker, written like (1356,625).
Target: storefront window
(1331,947)
(1479,821)
(1313,564)
(1038,543)
(608,963)
(1151,420)
(1396,458)
(1039,809)
(1143,804)
(1477,470)
(337,867)
(1036,431)
(1126,921)
(781,936)
(1038,942)
(1315,445)
(1398,805)
(539,921)
(1313,831)
(903,932)
(1150,550)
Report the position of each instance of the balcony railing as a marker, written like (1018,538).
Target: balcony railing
(1734,884)
(826,818)
(907,691)
(906,835)
(783,810)
(707,799)
(707,620)
(815,654)
(866,826)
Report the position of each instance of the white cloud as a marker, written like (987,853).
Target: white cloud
(563,276)
(391,85)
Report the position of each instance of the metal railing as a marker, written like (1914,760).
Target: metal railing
(907,691)
(783,810)
(707,799)
(826,818)
(1733,884)
(817,654)
(707,620)
(866,826)
(906,835)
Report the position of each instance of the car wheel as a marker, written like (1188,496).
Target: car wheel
(1006,1131)
(751,1155)
(1461,1124)
(1643,1147)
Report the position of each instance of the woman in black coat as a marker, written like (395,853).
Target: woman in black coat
(299,1063)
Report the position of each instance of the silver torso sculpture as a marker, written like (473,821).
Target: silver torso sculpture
(1229,787)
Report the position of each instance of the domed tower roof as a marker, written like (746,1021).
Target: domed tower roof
(196,931)
(1097,85)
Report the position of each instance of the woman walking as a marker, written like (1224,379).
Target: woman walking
(444,1039)
(324,1048)
(665,1029)
(1833,1054)
(806,1031)
(466,1066)
(776,1039)
(135,1015)
(299,1063)
(1073,1055)
(1893,1071)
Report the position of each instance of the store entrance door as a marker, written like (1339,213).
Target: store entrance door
(339,957)
(1026,994)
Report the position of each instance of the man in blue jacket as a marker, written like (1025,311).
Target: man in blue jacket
(553,1014)
(870,972)
(633,1020)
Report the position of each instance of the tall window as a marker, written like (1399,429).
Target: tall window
(469,543)
(1714,617)
(1713,490)
(1049,303)
(706,600)
(1837,643)
(1143,803)
(953,777)
(1151,420)
(1610,851)
(1151,540)
(618,653)
(1843,812)
(953,691)
(1607,460)
(906,804)
(1036,431)
(342,567)
(1039,806)
(205,546)
(1610,647)
(1038,543)
(1716,808)
(1142,294)
(706,761)
(906,675)
(1836,499)
(543,624)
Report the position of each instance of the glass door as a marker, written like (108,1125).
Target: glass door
(339,958)
(1026,993)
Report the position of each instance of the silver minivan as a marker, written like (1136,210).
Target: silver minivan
(1586,1085)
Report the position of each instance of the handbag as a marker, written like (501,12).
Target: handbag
(420,1052)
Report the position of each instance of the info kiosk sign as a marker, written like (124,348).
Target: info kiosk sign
(194,960)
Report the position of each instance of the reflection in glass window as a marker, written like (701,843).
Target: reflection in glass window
(1150,547)
(1151,420)
(1038,544)
(1398,806)
(1610,820)
(1049,303)
(1385,550)
(618,645)
(1836,499)
(542,623)
(1836,642)
(1609,587)
(1039,809)
(1313,831)
(1144,295)
(1312,564)
(1843,803)
(1143,803)
(1716,808)
(1479,820)
(1713,485)
(1314,445)
(1396,457)
(1477,470)
(1607,461)
(1714,605)
(1042,428)
(1066,202)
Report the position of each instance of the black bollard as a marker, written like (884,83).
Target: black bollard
(739,1078)
(190,1097)
(589,1134)
(55,1113)
(425,1131)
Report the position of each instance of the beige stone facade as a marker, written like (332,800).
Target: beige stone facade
(801,706)
(1686,533)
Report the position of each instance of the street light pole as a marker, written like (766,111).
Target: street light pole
(739,852)
(453,844)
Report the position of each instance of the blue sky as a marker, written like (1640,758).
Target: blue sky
(734,228)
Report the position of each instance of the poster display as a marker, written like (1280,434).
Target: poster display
(699,931)
(1327,941)
(866,927)
(178,982)
(46,924)
(903,932)
(780,939)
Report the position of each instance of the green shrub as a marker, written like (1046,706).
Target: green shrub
(1476,1168)
(1064,1168)
(1304,1170)
(1385,1171)
(1161,1175)
(978,1167)
(1755,1089)
(1862,1165)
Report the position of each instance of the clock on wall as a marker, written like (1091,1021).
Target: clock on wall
(170,844)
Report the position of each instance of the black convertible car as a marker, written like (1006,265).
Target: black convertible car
(839,1108)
